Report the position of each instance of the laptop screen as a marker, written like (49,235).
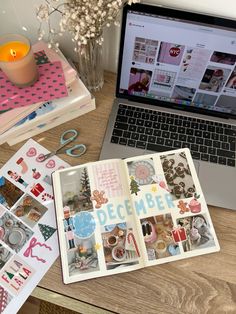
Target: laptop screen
(178,59)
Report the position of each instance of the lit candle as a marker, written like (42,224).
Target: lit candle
(17,60)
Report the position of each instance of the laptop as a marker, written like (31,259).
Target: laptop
(176,87)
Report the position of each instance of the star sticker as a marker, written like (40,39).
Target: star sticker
(154,188)
(97,246)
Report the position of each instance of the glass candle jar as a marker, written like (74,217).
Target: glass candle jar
(17,60)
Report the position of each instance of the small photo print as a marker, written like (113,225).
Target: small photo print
(76,192)
(170,53)
(119,246)
(80,241)
(157,236)
(183,93)
(178,175)
(9,193)
(13,232)
(29,210)
(5,255)
(214,79)
(223,57)
(139,81)
(5,299)
(83,257)
(141,172)
(198,232)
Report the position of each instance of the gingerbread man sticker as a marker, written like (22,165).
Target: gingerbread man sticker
(99,198)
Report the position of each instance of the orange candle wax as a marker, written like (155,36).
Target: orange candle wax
(17,60)
(13,51)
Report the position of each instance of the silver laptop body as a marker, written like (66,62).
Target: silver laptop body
(143,50)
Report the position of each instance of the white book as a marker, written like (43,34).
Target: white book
(70,113)
(78,97)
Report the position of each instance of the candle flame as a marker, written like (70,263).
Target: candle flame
(13,53)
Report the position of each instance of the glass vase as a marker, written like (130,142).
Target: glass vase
(90,65)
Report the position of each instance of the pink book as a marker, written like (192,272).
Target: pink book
(11,117)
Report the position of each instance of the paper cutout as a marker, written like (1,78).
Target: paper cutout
(47,231)
(14,233)
(84,224)
(23,165)
(41,57)
(50,164)
(69,227)
(15,176)
(46,196)
(5,298)
(32,245)
(29,210)
(51,85)
(36,174)
(47,179)
(37,189)
(31,152)
(99,198)
(40,158)
(9,193)
(16,275)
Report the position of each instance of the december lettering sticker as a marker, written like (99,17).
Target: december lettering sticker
(16,274)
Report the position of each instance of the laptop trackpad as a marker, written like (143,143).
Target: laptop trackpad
(197,166)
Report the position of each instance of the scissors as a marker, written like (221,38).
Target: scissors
(66,138)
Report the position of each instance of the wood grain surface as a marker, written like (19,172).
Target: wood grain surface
(204,284)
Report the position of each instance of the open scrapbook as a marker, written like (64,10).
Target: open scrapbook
(119,215)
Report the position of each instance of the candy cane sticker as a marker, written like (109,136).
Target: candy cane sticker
(47,196)
(130,238)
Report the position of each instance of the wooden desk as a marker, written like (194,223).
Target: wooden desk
(204,284)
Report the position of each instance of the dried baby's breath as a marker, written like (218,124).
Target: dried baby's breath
(83,19)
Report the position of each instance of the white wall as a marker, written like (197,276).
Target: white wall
(18,15)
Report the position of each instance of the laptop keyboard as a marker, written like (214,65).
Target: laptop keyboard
(160,131)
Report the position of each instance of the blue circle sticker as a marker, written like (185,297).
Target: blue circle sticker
(84,224)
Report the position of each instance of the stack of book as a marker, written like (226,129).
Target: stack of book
(24,122)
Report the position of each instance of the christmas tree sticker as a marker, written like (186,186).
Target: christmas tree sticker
(134,187)
(47,231)
(85,191)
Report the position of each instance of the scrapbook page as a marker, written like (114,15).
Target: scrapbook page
(118,215)
(28,236)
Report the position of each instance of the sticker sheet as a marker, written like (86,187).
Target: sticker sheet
(28,236)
